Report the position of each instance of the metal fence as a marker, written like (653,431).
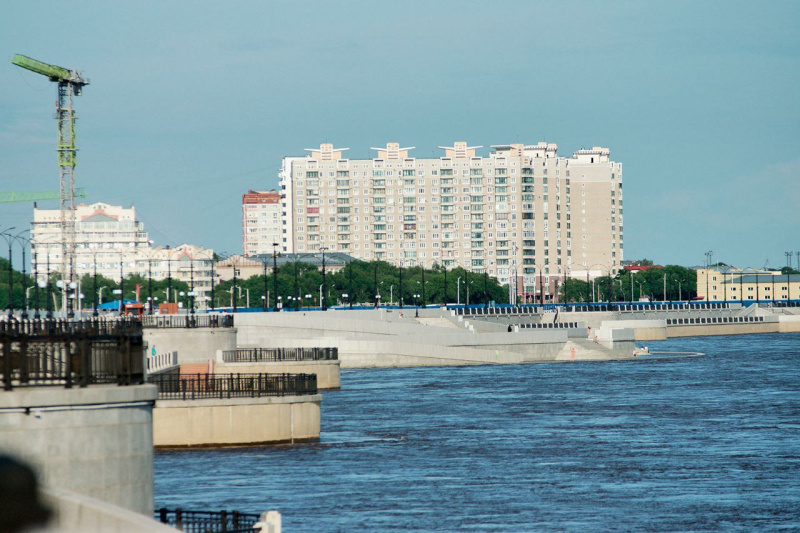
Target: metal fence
(59,352)
(271,355)
(205,386)
(714,320)
(187,321)
(208,521)
(550,325)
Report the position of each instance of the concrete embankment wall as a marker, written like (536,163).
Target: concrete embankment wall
(789,324)
(74,512)
(97,441)
(380,338)
(328,375)
(743,328)
(194,345)
(236,421)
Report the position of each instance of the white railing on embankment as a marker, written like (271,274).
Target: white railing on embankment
(161,361)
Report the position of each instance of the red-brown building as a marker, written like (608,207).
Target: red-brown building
(261,222)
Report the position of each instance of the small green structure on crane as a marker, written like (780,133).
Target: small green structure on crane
(70,84)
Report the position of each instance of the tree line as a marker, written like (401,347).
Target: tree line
(359,282)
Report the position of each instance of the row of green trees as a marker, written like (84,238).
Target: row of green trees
(360,282)
(298,284)
(92,293)
(680,283)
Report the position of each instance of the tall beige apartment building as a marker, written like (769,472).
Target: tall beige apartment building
(522,213)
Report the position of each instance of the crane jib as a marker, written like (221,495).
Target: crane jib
(55,73)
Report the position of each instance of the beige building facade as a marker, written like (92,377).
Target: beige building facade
(746,285)
(110,239)
(521,213)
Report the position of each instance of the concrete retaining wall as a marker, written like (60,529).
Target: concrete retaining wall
(236,421)
(77,512)
(742,328)
(789,324)
(328,376)
(97,441)
(194,345)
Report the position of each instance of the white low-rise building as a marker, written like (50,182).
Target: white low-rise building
(110,240)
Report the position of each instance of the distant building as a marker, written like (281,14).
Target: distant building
(519,214)
(109,236)
(247,267)
(261,222)
(640,268)
(186,262)
(110,240)
(746,285)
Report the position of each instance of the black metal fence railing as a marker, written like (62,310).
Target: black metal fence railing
(58,352)
(59,326)
(270,355)
(206,386)
(714,320)
(550,325)
(208,521)
(187,321)
(533,309)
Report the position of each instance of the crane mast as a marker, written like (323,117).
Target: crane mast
(70,84)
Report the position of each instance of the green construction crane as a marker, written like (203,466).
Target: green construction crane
(23,196)
(70,84)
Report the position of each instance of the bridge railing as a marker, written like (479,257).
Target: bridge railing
(208,521)
(207,386)
(187,321)
(271,355)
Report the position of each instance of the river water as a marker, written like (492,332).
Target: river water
(691,443)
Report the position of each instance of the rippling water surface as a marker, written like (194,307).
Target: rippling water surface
(697,443)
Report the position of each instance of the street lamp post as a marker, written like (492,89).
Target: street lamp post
(213,264)
(297,290)
(323,287)
(375,285)
(95,313)
(169,273)
(486,288)
(350,293)
(264,302)
(458,291)
(121,286)
(400,297)
(149,284)
(23,242)
(416,303)
(10,239)
(423,284)
(234,300)
(48,300)
(445,283)
(34,253)
(274,271)
(191,280)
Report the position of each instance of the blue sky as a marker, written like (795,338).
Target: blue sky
(193,103)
